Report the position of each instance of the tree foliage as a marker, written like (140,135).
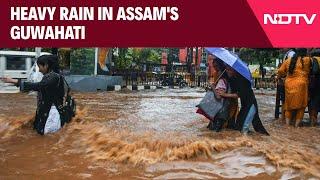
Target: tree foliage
(82,61)
(127,57)
(259,56)
(122,60)
(173,55)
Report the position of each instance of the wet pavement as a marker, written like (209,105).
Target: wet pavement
(152,134)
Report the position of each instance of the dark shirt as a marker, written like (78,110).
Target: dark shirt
(242,87)
(50,91)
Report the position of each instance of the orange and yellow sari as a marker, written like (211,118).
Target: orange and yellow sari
(296,84)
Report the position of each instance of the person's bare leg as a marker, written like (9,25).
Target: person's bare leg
(288,116)
(299,116)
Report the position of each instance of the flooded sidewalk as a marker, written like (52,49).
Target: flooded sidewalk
(153,134)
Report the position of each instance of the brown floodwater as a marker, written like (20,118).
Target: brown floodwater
(153,134)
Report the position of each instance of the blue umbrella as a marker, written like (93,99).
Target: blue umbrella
(232,60)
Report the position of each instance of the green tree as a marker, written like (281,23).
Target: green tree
(134,55)
(265,56)
(122,60)
(155,55)
(64,58)
(173,55)
(82,61)
(126,57)
(151,55)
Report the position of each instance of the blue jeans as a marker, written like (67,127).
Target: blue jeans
(249,118)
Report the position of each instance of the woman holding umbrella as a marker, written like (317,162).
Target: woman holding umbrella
(240,82)
(241,88)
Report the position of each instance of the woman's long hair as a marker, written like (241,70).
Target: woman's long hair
(300,52)
(51,61)
(221,68)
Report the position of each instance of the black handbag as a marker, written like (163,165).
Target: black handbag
(68,108)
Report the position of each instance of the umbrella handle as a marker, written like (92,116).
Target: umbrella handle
(220,76)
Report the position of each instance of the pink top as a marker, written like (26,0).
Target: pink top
(221,85)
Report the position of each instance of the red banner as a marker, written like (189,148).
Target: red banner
(164,23)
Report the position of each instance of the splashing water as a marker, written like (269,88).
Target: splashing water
(153,134)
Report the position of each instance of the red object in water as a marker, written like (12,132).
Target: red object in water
(200,111)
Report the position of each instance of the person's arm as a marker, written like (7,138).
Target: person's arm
(227,95)
(9,80)
(29,86)
(16,82)
(47,81)
(282,71)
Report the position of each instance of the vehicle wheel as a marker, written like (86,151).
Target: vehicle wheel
(183,84)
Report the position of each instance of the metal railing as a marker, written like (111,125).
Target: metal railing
(265,83)
(162,79)
(131,77)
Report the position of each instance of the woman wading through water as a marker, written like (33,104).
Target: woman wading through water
(51,93)
(241,88)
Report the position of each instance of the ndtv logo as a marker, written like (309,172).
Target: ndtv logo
(288,19)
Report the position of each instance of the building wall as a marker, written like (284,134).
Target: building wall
(164,59)
(87,83)
(183,55)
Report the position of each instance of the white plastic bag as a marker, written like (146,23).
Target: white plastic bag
(53,123)
(36,77)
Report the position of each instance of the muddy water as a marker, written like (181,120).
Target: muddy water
(152,134)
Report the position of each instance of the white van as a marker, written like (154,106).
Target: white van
(18,65)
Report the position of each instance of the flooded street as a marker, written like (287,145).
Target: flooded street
(152,134)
